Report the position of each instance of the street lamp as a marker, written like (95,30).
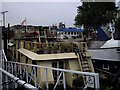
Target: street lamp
(4,32)
(4,17)
(5,43)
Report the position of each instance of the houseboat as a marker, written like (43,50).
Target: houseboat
(27,52)
(107,58)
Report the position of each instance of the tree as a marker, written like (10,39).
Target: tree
(117,23)
(117,29)
(94,14)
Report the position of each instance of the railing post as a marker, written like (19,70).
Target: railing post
(97,84)
(15,73)
(64,82)
(12,68)
(26,71)
(20,70)
(15,69)
(46,72)
(35,76)
(6,63)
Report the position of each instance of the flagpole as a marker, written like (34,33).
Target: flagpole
(26,24)
(39,36)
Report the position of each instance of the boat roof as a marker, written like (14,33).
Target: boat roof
(105,54)
(70,30)
(111,44)
(42,57)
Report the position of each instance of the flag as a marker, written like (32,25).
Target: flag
(24,22)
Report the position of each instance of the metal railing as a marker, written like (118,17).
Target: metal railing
(21,70)
(8,78)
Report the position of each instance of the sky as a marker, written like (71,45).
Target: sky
(40,12)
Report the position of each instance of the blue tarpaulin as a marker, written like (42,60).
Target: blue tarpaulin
(102,35)
(70,30)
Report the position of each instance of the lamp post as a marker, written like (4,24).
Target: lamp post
(4,32)
(3,13)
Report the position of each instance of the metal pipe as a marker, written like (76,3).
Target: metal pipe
(47,87)
(64,81)
(35,74)
(4,54)
(97,83)
(17,80)
(62,70)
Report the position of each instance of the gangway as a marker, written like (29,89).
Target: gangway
(21,71)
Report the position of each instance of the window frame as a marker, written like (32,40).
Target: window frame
(106,67)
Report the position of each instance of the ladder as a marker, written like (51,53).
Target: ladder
(84,60)
(86,63)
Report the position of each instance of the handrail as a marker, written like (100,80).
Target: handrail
(95,75)
(63,70)
(17,80)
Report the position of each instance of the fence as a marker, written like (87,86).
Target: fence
(28,73)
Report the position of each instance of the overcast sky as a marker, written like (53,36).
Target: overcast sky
(40,12)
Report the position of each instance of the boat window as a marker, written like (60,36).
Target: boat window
(118,50)
(68,33)
(105,66)
(57,64)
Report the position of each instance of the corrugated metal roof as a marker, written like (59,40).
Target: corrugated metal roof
(43,57)
(105,54)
